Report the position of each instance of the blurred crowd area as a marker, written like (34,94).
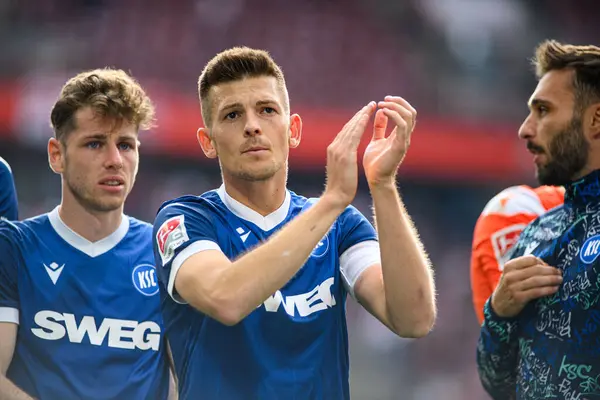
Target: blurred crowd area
(464,59)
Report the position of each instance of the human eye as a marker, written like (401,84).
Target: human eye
(124,146)
(94,144)
(232,115)
(542,110)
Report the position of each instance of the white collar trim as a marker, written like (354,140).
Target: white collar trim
(265,223)
(92,249)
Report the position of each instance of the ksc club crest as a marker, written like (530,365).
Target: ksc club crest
(145,279)
(321,248)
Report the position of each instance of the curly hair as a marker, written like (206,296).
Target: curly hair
(111,93)
(584,60)
(236,64)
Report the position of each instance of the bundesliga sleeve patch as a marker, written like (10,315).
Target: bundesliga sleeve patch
(170,236)
(503,240)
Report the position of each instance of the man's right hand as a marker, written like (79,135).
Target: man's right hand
(342,161)
(524,279)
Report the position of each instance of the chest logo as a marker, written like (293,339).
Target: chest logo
(590,250)
(54,270)
(145,280)
(321,248)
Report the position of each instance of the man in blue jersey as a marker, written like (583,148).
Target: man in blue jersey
(256,276)
(8,194)
(79,305)
(540,338)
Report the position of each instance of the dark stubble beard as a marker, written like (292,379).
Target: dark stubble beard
(568,154)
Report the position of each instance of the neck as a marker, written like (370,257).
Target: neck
(264,197)
(93,226)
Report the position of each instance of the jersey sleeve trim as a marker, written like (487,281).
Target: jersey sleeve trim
(356,259)
(194,248)
(9,314)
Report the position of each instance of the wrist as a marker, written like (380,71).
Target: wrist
(382,185)
(332,203)
(492,310)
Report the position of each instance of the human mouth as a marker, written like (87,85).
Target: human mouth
(254,150)
(112,184)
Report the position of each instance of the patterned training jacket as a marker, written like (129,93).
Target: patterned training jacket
(551,350)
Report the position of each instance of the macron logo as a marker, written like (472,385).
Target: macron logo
(243,235)
(54,271)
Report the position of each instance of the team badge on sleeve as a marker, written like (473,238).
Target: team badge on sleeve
(170,236)
(503,240)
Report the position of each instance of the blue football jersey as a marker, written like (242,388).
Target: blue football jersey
(295,345)
(8,194)
(88,313)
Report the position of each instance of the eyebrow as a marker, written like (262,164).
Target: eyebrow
(240,105)
(104,136)
(538,102)
(232,105)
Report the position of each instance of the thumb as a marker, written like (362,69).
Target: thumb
(379,125)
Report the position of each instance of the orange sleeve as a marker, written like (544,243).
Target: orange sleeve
(494,236)
(498,229)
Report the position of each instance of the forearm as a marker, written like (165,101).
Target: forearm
(497,355)
(407,276)
(9,391)
(258,274)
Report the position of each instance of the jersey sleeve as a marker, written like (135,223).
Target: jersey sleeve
(357,245)
(180,231)
(8,193)
(9,262)
(496,232)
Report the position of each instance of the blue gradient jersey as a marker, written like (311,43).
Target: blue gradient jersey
(551,350)
(88,313)
(8,194)
(295,345)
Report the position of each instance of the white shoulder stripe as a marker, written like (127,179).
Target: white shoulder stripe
(194,248)
(513,201)
(3,161)
(9,314)
(356,259)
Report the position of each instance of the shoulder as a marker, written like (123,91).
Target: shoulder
(16,236)
(513,201)
(207,201)
(550,196)
(21,229)
(4,167)
(139,228)
(10,231)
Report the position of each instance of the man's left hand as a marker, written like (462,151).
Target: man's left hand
(383,155)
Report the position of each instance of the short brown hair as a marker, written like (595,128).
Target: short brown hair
(584,60)
(236,64)
(109,92)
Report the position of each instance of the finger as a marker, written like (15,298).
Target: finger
(359,129)
(537,292)
(397,118)
(404,112)
(521,262)
(347,129)
(402,102)
(379,125)
(538,282)
(344,131)
(535,270)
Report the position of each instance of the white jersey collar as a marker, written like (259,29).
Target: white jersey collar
(265,223)
(92,249)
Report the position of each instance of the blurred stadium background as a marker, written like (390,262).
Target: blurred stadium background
(462,63)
